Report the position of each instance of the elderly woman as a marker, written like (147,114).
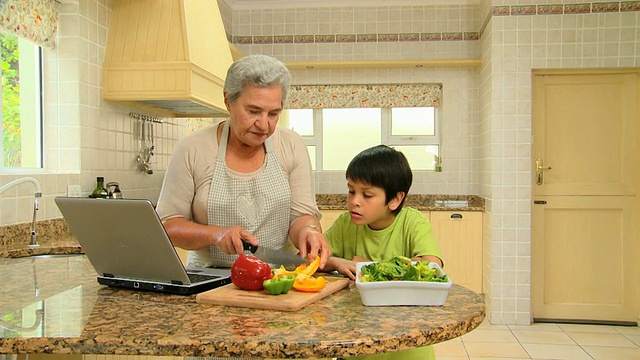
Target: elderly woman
(243,178)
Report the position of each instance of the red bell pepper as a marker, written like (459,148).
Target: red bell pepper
(248,272)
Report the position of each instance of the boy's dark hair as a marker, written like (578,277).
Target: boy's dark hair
(383,167)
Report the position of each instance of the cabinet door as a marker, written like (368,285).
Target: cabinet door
(459,234)
(328,217)
(182,254)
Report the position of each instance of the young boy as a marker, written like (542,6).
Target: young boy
(376,227)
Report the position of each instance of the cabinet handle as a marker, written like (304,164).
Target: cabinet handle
(456,216)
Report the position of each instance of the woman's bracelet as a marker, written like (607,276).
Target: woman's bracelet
(314,227)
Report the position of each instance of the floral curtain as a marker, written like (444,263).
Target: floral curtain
(363,96)
(33,20)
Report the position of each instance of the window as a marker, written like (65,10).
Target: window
(21,116)
(335,136)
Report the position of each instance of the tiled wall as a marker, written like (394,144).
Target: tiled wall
(518,38)
(358,32)
(380,33)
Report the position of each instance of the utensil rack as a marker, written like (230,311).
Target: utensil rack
(144,132)
(148,118)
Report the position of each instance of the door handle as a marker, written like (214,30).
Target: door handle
(540,171)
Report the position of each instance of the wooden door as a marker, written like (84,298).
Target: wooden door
(585,241)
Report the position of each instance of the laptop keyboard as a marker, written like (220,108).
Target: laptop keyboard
(201,277)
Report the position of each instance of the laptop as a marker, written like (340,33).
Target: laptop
(127,245)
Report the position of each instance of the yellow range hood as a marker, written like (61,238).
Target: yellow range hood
(167,57)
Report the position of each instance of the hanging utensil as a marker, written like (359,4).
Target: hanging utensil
(144,132)
(145,152)
(151,139)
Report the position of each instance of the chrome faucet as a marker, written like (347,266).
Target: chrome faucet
(38,194)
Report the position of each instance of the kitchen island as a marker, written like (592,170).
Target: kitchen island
(55,305)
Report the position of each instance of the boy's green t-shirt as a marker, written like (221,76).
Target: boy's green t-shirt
(409,235)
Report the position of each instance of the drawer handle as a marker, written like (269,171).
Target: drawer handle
(456,216)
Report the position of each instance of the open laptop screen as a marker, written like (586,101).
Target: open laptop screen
(125,239)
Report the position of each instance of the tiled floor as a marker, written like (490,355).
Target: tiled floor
(544,341)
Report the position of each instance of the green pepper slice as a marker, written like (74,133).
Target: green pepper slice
(279,285)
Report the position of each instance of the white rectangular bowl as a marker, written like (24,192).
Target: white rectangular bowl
(400,293)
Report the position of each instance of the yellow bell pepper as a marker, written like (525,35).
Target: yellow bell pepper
(309,283)
(281,271)
(304,280)
(310,268)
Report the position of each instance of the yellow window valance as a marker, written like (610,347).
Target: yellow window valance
(363,96)
(33,20)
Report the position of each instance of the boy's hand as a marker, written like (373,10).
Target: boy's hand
(347,267)
(343,266)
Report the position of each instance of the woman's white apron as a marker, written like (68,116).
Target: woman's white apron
(259,201)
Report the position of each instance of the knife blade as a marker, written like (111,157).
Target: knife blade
(272,255)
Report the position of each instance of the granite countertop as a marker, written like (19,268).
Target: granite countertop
(422,202)
(53,237)
(57,306)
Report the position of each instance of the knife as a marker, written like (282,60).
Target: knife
(272,255)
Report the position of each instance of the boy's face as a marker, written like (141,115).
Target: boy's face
(367,205)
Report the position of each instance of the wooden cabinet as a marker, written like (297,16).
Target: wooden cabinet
(459,234)
(328,217)
(182,254)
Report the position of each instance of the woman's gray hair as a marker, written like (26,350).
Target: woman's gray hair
(256,70)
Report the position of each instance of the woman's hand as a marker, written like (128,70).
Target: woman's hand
(312,243)
(229,239)
(193,236)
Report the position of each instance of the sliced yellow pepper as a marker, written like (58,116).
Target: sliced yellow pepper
(310,268)
(304,280)
(281,271)
(309,283)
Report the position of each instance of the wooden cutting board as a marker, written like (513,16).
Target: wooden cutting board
(231,295)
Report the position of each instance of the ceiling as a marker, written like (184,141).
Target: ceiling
(284,4)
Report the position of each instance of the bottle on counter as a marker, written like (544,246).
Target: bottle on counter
(100,191)
(438,165)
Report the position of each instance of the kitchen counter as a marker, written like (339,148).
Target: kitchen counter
(57,306)
(53,237)
(422,202)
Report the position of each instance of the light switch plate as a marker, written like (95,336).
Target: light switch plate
(74,191)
